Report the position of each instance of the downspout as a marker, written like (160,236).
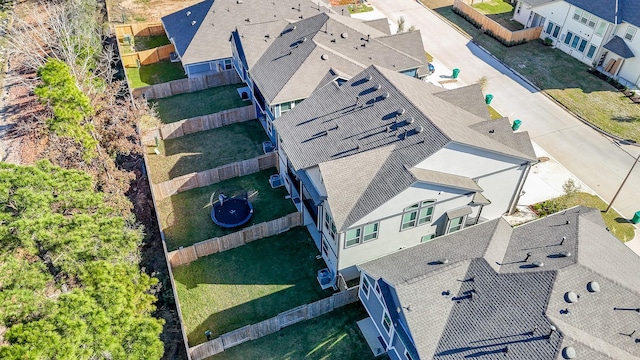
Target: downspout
(516,195)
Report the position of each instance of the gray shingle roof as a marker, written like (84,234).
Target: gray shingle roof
(449,180)
(502,301)
(304,53)
(628,10)
(330,125)
(208,38)
(381,25)
(458,212)
(620,47)
(467,97)
(410,43)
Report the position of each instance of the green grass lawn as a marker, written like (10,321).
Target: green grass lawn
(206,150)
(617,225)
(563,78)
(493,7)
(150,42)
(185,217)
(359,8)
(157,73)
(226,291)
(209,101)
(331,336)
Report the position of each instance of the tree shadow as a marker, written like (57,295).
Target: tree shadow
(626,119)
(621,220)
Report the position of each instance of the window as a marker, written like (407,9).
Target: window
(552,29)
(377,287)
(456,224)
(575,41)
(601,26)
(329,225)
(227,64)
(567,39)
(325,247)
(269,127)
(592,50)
(583,44)
(362,234)
(386,322)
(352,237)
(417,214)
(284,107)
(592,21)
(365,285)
(631,32)
(584,18)
(549,28)
(427,238)
(407,355)
(556,31)
(577,15)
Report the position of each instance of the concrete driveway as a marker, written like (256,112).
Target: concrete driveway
(595,159)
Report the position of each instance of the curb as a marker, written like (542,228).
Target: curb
(614,138)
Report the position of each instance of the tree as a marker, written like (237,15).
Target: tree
(70,286)
(401,23)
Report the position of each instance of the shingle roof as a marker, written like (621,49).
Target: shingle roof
(628,10)
(620,47)
(441,178)
(304,52)
(410,43)
(208,38)
(339,122)
(504,302)
(381,25)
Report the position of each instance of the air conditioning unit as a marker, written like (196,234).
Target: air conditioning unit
(275,181)
(324,278)
(268,147)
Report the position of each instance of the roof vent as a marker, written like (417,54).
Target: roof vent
(368,78)
(570,297)
(385,95)
(419,129)
(188,13)
(441,261)
(247,20)
(344,35)
(324,56)
(593,287)
(565,254)
(238,1)
(377,87)
(569,353)
(193,22)
(538,264)
(400,111)
(410,120)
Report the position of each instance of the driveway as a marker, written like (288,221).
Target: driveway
(595,159)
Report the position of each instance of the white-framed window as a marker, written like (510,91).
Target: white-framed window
(361,234)
(592,21)
(366,285)
(552,29)
(583,45)
(567,39)
(591,52)
(325,247)
(228,65)
(427,238)
(284,107)
(576,40)
(386,322)
(269,127)
(407,355)
(417,214)
(577,15)
(455,224)
(330,225)
(601,27)
(631,32)
(549,28)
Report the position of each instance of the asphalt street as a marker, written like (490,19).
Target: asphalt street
(595,159)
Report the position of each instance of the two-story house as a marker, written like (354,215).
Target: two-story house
(599,33)
(200,33)
(557,288)
(385,161)
(283,63)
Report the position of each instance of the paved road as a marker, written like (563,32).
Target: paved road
(593,158)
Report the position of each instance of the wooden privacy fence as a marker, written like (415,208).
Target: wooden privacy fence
(146,57)
(175,87)
(208,122)
(215,175)
(147,29)
(212,246)
(494,29)
(270,326)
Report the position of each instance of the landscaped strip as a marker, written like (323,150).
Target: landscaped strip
(331,336)
(158,73)
(206,150)
(563,78)
(185,217)
(617,225)
(189,105)
(242,286)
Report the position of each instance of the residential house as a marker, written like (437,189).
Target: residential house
(385,161)
(283,63)
(200,33)
(561,287)
(599,33)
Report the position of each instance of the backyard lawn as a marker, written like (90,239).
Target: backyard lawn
(209,101)
(617,225)
(186,220)
(331,336)
(150,42)
(226,291)
(152,74)
(563,78)
(206,150)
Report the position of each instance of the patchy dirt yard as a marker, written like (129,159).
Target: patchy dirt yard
(141,11)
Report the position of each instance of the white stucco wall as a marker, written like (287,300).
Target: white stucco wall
(497,174)
(630,69)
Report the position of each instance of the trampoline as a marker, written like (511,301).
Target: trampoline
(230,208)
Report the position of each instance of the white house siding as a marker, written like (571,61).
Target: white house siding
(499,175)
(389,215)
(521,12)
(630,69)
(584,32)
